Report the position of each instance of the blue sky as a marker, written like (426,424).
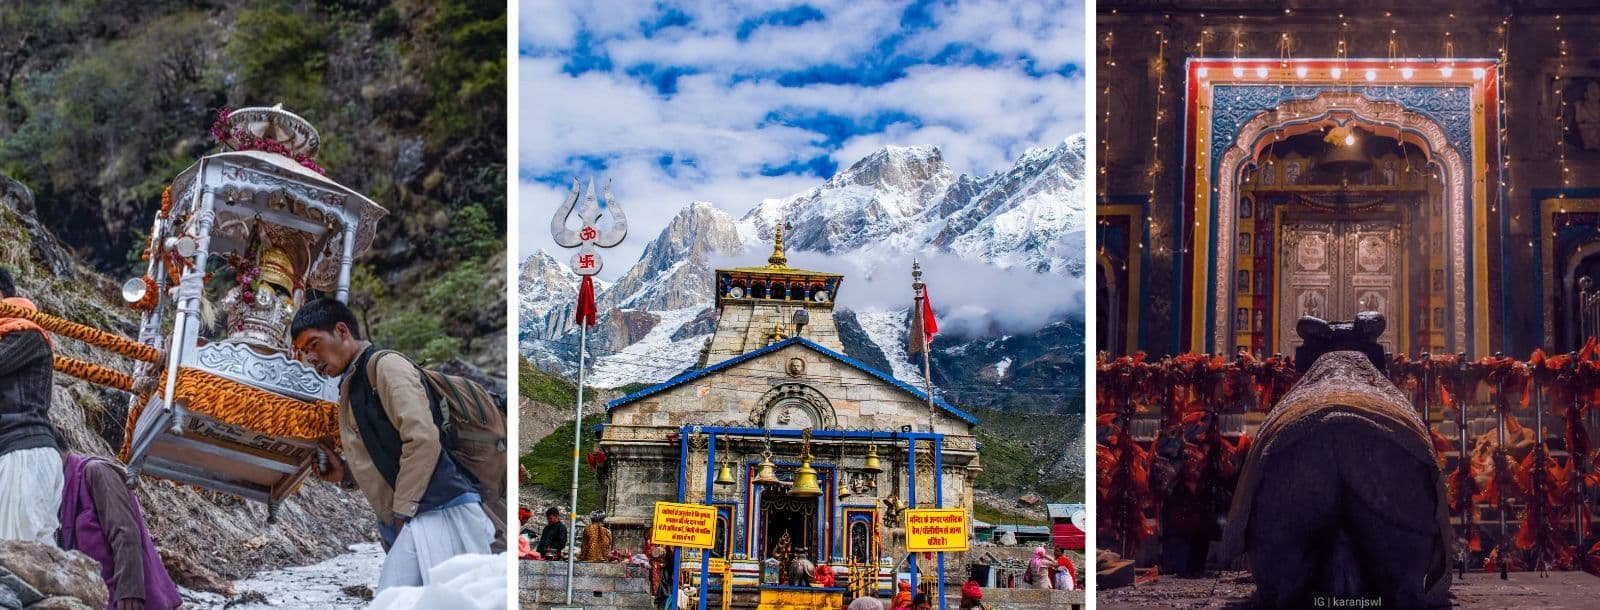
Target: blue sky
(679,102)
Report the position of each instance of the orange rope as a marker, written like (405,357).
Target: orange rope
(94,373)
(237,404)
(120,345)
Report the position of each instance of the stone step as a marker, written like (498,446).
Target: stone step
(1022,599)
(595,586)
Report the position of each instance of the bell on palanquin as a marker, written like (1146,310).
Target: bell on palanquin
(872,466)
(766,472)
(725,475)
(844,488)
(805,480)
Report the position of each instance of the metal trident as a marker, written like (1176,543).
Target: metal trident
(587,260)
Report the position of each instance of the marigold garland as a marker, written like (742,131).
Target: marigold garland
(121,346)
(1548,488)
(166,202)
(257,410)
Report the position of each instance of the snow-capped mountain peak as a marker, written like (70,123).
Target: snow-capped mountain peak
(898,200)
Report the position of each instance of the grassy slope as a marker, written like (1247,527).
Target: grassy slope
(1011,465)
(549,465)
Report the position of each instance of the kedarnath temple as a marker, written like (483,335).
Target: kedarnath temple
(1427,172)
(802,449)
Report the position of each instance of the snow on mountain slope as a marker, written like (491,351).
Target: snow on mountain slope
(654,358)
(894,202)
(888,331)
(547,290)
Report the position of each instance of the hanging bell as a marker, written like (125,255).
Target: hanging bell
(805,480)
(872,466)
(725,475)
(844,488)
(766,472)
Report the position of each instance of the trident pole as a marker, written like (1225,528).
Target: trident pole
(920,290)
(577,444)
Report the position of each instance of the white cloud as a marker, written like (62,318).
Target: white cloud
(970,298)
(715,126)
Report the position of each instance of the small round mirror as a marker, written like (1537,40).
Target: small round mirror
(133,290)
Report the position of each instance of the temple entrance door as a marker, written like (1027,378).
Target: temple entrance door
(1334,268)
(796,517)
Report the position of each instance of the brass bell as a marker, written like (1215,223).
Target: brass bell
(766,471)
(805,481)
(725,475)
(872,466)
(844,488)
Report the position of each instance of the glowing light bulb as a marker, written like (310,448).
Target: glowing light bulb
(1447,71)
(1300,71)
(1372,75)
(1238,72)
(1406,73)
(1204,71)
(1477,73)
(1349,140)
(1261,72)
(1336,72)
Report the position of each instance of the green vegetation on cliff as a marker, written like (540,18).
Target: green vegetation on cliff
(103,102)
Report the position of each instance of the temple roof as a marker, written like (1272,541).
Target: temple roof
(691,375)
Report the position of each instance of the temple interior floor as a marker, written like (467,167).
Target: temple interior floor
(1479,590)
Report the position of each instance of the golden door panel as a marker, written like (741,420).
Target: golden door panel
(1333,269)
(1372,267)
(1309,263)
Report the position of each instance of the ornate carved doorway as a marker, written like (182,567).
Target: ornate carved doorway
(784,517)
(1334,268)
(1237,108)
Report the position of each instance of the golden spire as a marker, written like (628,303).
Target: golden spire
(777,260)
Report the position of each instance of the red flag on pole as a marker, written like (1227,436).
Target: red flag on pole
(586,309)
(923,326)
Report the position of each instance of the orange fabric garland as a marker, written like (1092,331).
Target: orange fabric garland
(237,404)
(99,338)
(93,373)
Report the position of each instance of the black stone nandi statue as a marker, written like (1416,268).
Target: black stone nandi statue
(1340,497)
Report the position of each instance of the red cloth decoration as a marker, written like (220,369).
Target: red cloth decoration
(924,325)
(586,309)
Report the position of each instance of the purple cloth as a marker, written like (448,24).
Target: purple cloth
(82,530)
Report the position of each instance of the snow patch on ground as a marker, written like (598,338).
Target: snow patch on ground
(319,585)
(1002,366)
(655,358)
(464,582)
(887,330)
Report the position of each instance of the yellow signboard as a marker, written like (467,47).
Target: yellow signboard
(717,566)
(936,529)
(691,526)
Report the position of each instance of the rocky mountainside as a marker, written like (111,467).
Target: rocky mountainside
(898,202)
(102,103)
(214,532)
